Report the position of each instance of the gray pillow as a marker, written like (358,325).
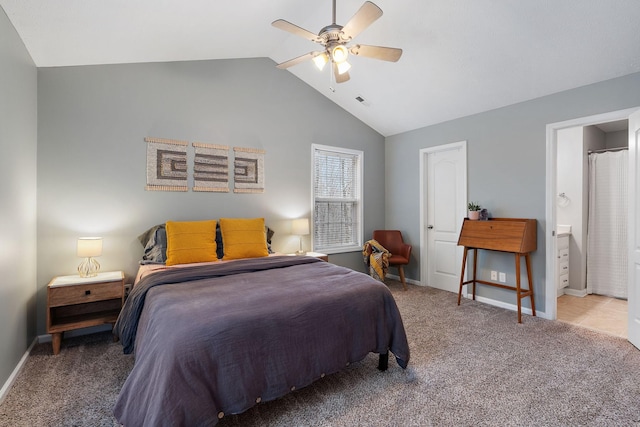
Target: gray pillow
(219,247)
(154,241)
(269,232)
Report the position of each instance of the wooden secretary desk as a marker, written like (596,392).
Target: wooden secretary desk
(513,235)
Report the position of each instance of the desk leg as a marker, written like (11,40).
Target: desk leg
(518,289)
(529,276)
(475,264)
(464,264)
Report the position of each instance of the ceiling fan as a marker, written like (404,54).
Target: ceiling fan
(335,39)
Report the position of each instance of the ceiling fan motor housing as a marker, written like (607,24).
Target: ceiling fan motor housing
(334,40)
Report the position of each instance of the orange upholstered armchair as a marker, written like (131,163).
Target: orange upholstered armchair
(400,251)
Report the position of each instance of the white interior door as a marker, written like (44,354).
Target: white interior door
(446,198)
(634,229)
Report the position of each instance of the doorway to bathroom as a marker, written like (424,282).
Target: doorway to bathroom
(591,215)
(568,210)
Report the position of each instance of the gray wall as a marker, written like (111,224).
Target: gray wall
(506,168)
(18,139)
(91,155)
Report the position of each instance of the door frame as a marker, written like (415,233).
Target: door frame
(551,297)
(424,153)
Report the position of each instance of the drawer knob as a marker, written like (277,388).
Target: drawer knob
(87,292)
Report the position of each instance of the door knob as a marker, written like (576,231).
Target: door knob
(430,227)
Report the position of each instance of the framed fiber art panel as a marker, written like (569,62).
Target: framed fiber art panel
(211,167)
(166,165)
(248,170)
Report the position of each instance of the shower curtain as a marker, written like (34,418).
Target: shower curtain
(607,225)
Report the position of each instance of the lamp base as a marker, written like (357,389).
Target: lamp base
(89,268)
(300,251)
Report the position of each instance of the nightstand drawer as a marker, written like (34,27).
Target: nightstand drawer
(79,294)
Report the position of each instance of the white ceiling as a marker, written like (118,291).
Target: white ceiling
(460,56)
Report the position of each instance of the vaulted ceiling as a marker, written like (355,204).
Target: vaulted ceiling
(460,56)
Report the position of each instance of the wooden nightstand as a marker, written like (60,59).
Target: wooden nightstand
(75,302)
(323,257)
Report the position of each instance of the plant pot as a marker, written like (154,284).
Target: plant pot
(474,215)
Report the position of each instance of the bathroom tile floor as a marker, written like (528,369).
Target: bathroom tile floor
(595,312)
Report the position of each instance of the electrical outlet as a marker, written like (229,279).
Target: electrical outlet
(494,275)
(503,277)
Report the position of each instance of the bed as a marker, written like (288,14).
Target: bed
(217,338)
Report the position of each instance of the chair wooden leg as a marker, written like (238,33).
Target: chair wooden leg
(401,271)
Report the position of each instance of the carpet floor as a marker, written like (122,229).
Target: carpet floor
(471,365)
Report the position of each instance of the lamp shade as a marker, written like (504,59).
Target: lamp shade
(89,246)
(320,61)
(339,54)
(300,226)
(343,67)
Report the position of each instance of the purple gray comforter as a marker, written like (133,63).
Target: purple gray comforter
(216,340)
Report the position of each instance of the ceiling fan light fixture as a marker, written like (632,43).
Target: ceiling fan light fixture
(339,54)
(343,67)
(321,60)
(334,39)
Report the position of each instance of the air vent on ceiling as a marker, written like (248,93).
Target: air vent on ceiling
(362,101)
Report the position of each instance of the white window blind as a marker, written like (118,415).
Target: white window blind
(337,196)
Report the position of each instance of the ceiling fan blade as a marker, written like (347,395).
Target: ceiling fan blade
(297,60)
(390,54)
(364,17)
(340,78)
(294,29)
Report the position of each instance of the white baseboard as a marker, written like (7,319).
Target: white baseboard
(484,300)
(44,338)
(7,385)
(575,292)
(508,306)
(395,277)
(502,304)
(77,332)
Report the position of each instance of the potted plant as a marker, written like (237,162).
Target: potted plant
(474,210)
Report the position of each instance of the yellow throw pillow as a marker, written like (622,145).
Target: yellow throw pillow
(191,241)
(243,238)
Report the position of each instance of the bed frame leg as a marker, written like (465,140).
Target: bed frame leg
(383,361)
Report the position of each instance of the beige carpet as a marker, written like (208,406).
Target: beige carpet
(471,365)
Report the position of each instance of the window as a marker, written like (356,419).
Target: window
(337,199)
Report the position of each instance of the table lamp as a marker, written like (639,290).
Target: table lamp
(89,247)
(300,227)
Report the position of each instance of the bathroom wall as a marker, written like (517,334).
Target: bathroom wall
(570,182)
(617,139)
